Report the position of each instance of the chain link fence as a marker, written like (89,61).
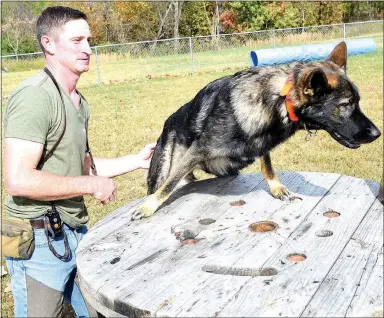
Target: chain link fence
(194,55)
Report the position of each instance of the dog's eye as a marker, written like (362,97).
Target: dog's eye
(345,109)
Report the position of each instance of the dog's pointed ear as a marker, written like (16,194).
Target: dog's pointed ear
(339,55)
(316,83)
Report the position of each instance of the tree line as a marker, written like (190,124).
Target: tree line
(121,22)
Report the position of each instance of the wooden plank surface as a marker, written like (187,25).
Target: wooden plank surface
(348,289)
(368,300)
(295,285)
(114,238)
(242,248)
(140,269)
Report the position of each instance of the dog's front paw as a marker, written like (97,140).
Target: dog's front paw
(146,209)
(279,191)
(142,211)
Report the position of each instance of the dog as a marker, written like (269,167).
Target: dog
(236,119)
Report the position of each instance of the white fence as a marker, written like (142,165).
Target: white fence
(183,56)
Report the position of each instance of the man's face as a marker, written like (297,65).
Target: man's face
(72,46)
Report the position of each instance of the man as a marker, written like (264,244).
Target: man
(37,114)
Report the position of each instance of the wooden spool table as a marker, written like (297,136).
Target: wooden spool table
(321,256)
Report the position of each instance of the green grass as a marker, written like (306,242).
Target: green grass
(130,112)
(116,64)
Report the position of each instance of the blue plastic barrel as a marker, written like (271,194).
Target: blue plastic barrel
(308,52)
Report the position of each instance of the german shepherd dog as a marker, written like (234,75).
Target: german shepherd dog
(238,118)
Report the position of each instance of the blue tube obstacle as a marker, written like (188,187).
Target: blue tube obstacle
(309,52)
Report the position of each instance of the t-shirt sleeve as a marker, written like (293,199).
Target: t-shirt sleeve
(27,115)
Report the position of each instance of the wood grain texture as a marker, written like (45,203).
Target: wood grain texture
(142,268)
(352,287)
(296,283)
(242,248)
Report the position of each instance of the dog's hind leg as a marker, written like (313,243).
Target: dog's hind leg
(181,169)
(278,190)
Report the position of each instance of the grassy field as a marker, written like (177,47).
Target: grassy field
(116,64)
(127,113)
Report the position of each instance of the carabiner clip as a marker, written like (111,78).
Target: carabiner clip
(310,133)
(48,229)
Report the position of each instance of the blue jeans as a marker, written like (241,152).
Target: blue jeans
(41,283)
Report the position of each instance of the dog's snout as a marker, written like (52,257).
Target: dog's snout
(375,133)
(368,135)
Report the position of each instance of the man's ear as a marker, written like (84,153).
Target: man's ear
(339,55)
(316,83)
(48,44)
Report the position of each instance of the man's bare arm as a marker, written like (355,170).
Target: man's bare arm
(111,167)
(21,158)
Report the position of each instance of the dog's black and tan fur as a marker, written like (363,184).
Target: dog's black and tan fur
(236,119)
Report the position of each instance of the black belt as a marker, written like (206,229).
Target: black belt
(37,224)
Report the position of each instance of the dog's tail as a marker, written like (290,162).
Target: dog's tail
(160,163)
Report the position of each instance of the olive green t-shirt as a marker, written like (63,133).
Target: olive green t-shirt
(35,112)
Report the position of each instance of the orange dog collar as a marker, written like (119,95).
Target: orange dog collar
(286,91)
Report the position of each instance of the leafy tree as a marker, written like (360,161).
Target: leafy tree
(329,13)
(358,11)
(17,25)
(195,19)
(201,18)
(102,19)
(250,15)
(138,20)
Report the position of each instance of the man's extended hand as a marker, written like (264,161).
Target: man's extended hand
(145,155)
(103,189)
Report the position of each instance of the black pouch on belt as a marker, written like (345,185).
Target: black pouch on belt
(53,227)
(53,222)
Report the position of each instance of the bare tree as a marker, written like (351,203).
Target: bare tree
(162,14)
(212,15)
(177,15)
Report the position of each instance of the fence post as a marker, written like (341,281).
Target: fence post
(274,39)
(97,66)
(344,35)
(191,55)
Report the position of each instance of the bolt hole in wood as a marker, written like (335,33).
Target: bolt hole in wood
(115,260)
(237,203)
(331,214)
(263,226)
(296,257)
(207,221)
(189,241)
(324,233)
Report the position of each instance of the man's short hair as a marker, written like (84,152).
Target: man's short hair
(54,18)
